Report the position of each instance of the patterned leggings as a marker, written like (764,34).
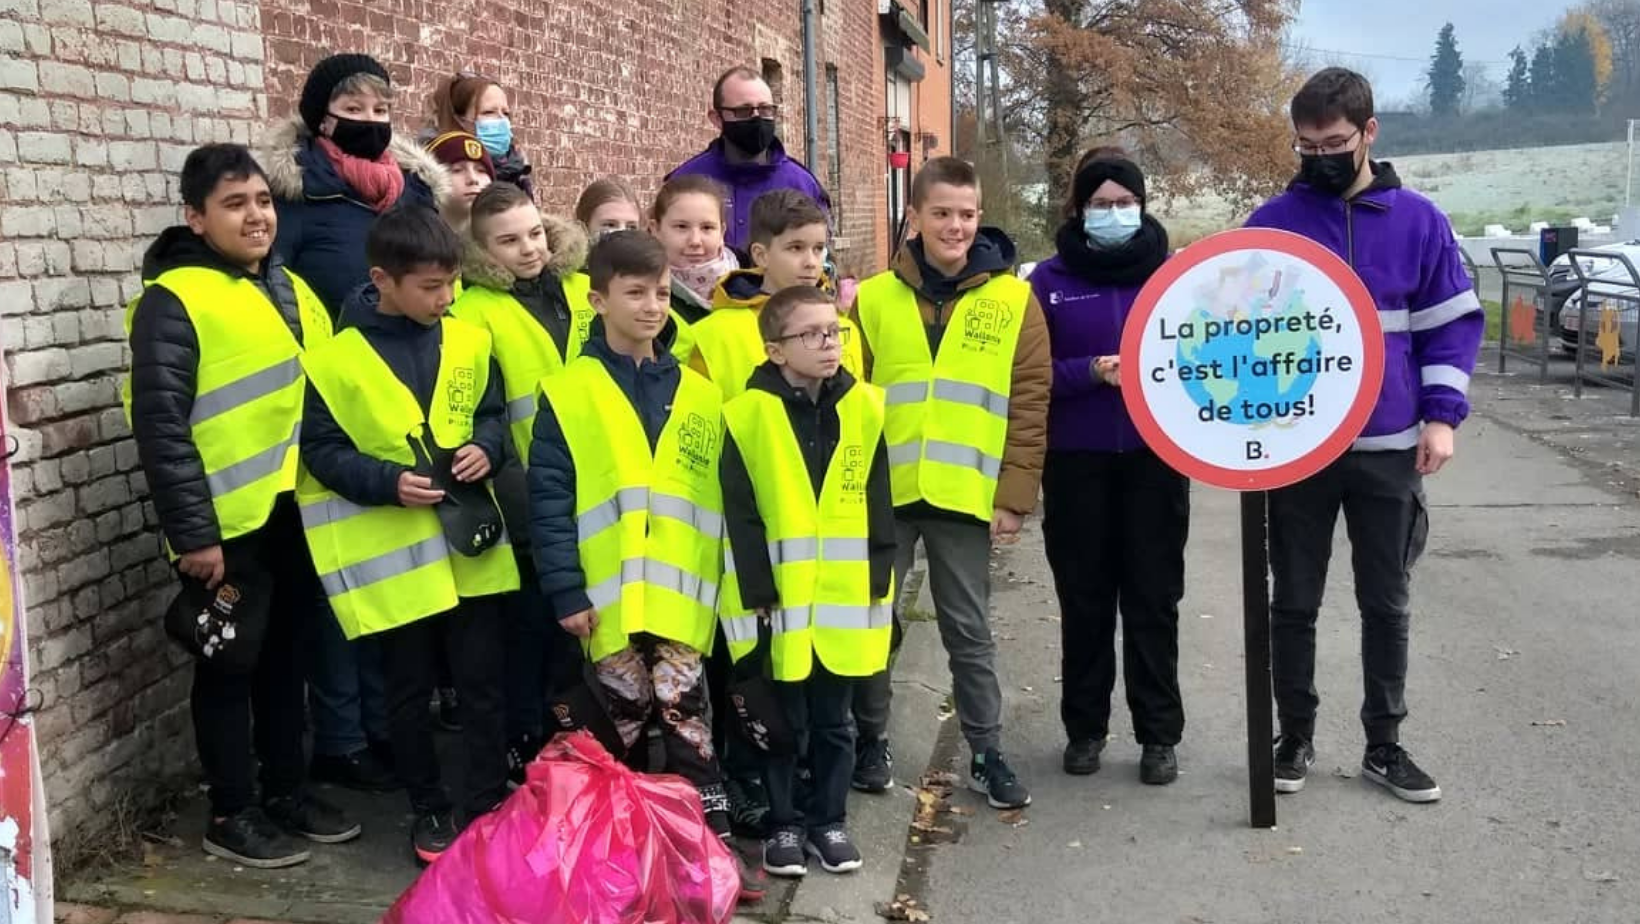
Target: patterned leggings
(656,678)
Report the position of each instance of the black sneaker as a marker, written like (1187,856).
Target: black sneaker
(1295,755)
(315,819)
(1390,766)
(748,807)
(360,770)
(873,767)
(1158,766)
(988,773)
(783,853)
(432,834)
(1082,756)
(519,755)
(447,709)
(251,839)
(753,886)
(834,849)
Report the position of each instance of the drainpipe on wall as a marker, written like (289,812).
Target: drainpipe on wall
(811,91)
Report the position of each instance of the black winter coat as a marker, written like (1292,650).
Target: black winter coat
(818,430)
(164,377)
(413,352)
(650,388)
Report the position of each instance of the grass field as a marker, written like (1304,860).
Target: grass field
(1507,187)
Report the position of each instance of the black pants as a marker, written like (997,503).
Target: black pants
(1382,496)
(475,632)
(741,761)
(541,657)
(820,712)
(263,708)
(1115,526)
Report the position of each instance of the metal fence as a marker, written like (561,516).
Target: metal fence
(1526,327)
(1606,278)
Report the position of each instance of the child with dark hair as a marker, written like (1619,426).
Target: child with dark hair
(805,467)
(788,248)
(401,386)
(1403,248)
(214,400)
(626,514)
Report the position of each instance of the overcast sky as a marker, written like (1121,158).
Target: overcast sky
(1375,36)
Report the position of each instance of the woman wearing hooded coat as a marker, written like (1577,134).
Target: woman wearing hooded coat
(332,169)
(1116,517)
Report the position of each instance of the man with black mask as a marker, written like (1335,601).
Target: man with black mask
(1402,247)
(747,157)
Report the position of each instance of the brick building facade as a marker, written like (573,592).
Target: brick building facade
(100,101)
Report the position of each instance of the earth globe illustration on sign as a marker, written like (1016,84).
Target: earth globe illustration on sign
(1255,288)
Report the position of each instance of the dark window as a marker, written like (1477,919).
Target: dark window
(834,142)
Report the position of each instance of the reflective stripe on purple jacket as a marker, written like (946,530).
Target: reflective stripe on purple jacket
(747,181)
(1402,247)
(1084,322)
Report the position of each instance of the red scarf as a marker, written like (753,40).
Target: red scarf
(378,182)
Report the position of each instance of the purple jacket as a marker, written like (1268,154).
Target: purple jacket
(1402,247)
(1084,322)
(747,181)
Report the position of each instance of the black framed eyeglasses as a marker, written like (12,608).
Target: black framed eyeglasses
(815,339)
(742,113)
(1330,146)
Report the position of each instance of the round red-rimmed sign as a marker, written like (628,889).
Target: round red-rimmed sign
(1252,359)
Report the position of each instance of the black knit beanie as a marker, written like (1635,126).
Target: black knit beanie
(1095,172)
(325,77)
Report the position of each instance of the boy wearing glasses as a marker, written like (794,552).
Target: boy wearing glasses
(747,157)
(1404,251)
(810,520)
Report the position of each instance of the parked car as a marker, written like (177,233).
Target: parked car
(1614,293)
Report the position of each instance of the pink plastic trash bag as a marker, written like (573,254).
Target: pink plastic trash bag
(585,841)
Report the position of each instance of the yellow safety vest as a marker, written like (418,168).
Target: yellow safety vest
(684,346)
(247,412)
(819,548)
(523,348)
(947,421)
(388,566)
(650,525)
(731,344)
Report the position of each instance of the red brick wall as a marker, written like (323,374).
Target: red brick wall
(597,87)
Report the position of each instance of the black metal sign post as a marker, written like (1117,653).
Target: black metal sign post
(1255,602)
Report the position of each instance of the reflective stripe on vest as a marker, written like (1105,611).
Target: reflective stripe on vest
(384,567)
(524,349)
(818,548)
(732,346)
(247,411)
(947,417)
(649,524)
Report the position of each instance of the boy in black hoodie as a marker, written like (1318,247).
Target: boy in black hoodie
(397,385)
(825,598)
(215,400)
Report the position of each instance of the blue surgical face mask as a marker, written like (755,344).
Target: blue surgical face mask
(495,134)
(1113,226)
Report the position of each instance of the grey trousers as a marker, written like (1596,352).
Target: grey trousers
(959,575)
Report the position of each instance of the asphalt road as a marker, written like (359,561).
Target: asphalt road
(1522,694)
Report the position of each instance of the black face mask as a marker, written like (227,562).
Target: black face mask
(751,136)
(1329,174)
(364,140)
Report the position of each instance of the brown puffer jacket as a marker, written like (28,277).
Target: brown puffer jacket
(991,255)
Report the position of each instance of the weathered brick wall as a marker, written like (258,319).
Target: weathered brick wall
(597,87)
(99,103)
